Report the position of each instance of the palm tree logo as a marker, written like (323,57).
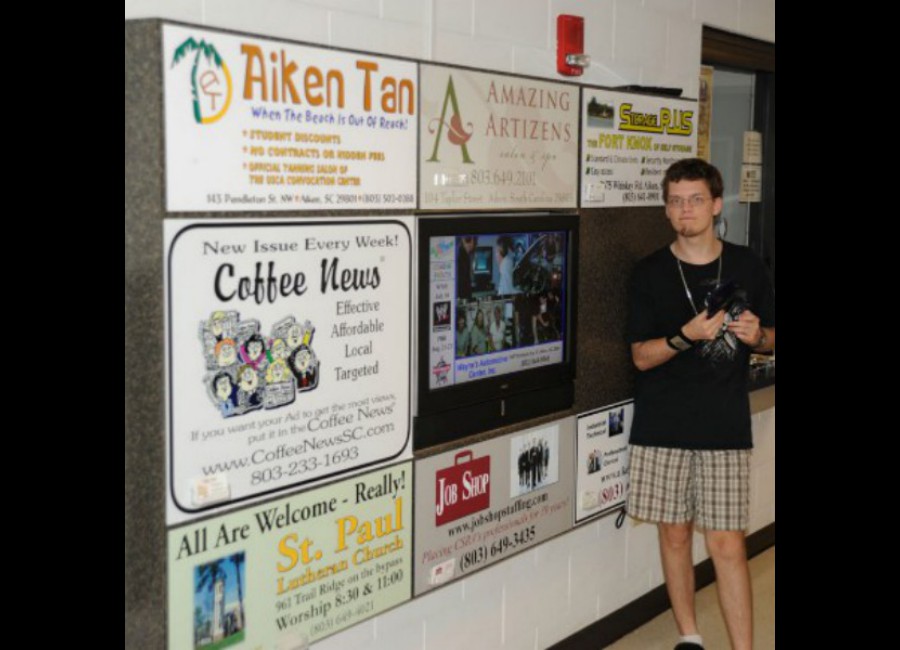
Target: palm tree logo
(207,87)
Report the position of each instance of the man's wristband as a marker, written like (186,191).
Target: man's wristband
(679,342)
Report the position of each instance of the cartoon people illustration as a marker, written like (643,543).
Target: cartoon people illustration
(277,350)
(295,336)
(226,353)
(305,368)
(247,370)
(225,393)
(277,372)
(253,352)
(248,383)
(216,325)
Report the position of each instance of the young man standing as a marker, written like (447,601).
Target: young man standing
(697,308)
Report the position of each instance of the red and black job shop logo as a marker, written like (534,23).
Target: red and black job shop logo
(462,489)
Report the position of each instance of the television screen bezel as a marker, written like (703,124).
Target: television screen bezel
(431,402)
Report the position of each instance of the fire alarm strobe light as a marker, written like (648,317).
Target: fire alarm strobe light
(570,57)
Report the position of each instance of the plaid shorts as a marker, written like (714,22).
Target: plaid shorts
(674,486)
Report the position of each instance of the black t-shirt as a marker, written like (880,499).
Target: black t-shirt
(698,399)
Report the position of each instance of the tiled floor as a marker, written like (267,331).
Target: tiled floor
(660,633)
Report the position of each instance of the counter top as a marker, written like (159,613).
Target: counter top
(763,398)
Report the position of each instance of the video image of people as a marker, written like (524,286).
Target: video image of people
(509,291)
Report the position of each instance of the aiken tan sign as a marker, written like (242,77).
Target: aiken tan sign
(262,124)
(463,489)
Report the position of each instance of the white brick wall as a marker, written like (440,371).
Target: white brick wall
(523,21)
(370,33)
(654,42)
(186,10)
(365,7)
(452,47)
(640,36)
(683,48)
(758,19)
(283,18)
(681,8)
(455,16)
(724,14)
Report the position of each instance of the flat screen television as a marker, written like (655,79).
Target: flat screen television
(496,322)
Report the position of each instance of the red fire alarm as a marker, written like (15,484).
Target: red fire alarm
(570,57)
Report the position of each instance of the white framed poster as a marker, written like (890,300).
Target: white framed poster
(491,141)
(751,184)
(283,574)
(627,143)
(601,474)
(260,124)
(752,150)
(288,351)
(480,504)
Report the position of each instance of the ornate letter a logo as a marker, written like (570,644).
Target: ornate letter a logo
(455,132)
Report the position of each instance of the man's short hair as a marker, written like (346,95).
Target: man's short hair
(694,169)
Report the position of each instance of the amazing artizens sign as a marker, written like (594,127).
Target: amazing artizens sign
(490,141)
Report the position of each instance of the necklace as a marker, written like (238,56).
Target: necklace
(687,291)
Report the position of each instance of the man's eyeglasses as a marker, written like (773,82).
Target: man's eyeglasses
(678,202)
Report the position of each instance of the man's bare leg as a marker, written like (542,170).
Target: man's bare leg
(729,555)
(678,569)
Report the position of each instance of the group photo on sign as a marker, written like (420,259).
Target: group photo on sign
(508,291)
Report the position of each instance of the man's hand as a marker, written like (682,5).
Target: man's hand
(746,328)
(655,352)
(703,328)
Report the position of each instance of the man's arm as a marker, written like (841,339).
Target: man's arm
(652,353)
(655,352)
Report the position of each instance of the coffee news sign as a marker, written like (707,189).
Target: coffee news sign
(287,354)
